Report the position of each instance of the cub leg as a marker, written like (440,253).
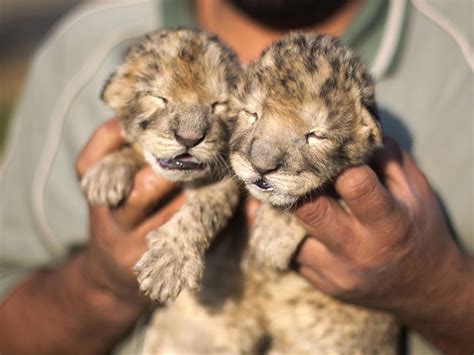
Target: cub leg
(275,237)
(188,327)
(321,324)
(175,258)
(110,180)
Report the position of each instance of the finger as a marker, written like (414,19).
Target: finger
(102,223)
(398,171)
(414,174)
(310,252)
(105,139)
(388,163)
(326,221)
(147,192)
(364,195)
(316,278)
(390,151)
(250,207)
(161,217)
(136,241)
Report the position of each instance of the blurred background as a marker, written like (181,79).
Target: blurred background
(23,25)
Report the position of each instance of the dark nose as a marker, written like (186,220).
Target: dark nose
(265,157)
(189,139)
(262,170)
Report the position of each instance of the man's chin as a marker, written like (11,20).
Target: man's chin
(289,14)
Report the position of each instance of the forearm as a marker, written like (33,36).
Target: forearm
(444,311)
(61,311)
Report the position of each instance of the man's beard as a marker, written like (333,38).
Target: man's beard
(289,14)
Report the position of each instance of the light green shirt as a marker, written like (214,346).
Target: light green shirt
(424,91)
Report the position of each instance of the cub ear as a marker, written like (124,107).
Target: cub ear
(117,92)
(370,128)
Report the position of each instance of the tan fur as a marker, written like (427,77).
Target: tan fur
(171,94)
(249,303)
(299,89)
(305,112)
(244,310)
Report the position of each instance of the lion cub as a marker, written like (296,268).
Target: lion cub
(306,111)
(171,94)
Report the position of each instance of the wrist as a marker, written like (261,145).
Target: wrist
(101,293)
(439,304)
(94,301)
(60,311)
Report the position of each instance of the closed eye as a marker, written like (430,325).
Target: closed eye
(150,103)
(219,107)
(159,101)
(315,136)
(248,117)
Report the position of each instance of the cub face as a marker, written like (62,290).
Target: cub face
(171,93)
(305,112)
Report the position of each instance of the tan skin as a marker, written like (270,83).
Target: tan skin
(388,248)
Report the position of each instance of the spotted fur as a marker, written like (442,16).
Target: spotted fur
(305,111)
(250,303)
(171,94)
(243,306)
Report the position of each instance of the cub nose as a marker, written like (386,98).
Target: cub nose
(189,139)
(265,157)
(268,168)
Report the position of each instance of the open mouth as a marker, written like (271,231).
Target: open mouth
(182,162)
(263,185)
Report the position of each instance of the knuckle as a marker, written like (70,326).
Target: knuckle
(346,244)
(314,214)
(348,287)
(360,184)
(145,181)
(81,165)
(349,284)
(144,184)
(105,130)
(368,264)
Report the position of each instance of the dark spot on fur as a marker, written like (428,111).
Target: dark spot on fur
(106,84)
(153,66)
(335,64)
(329,85)
(140,47)
(310,63)
(293,301)
(187,55)
(371,106)
(371,138)
(144,124)
(340,157)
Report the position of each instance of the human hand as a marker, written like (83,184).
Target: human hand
(387,245)
(117,236)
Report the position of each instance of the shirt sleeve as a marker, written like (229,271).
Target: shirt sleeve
(43,215)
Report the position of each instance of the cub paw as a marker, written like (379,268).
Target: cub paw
(268,252)
(168,267)
(108,182)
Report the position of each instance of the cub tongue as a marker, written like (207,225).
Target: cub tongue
(186,158)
